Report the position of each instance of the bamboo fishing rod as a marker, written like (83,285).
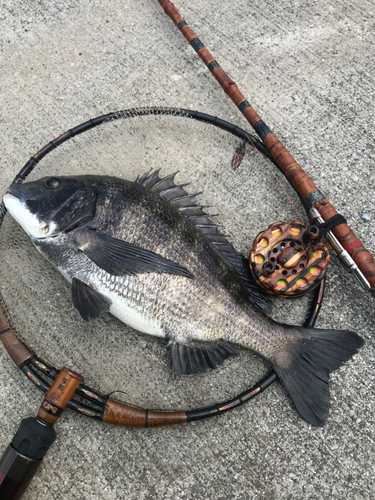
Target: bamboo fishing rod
(349,248)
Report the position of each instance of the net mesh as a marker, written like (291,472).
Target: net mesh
(108,353)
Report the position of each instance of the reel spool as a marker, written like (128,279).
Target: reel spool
(285,261)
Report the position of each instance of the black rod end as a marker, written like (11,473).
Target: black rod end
(33,438)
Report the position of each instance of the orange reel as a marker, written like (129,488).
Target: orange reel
(284,260)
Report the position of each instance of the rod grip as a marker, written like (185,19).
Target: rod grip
(348,239)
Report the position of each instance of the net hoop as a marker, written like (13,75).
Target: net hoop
(34,366)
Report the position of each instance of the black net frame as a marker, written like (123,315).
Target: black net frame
(34,366)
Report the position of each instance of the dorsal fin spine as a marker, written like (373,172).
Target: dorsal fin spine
(177,196)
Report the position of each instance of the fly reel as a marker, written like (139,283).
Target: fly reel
(285,261)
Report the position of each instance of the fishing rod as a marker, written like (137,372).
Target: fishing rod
(24,455)
(348,247)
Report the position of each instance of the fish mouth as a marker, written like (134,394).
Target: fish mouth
(16,192)
(15,202)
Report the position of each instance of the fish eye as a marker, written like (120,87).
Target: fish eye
(51,183)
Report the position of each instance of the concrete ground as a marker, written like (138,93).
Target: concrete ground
(308,69)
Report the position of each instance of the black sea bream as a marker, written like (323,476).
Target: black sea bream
(145,252)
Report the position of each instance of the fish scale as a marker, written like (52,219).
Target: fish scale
(216,310)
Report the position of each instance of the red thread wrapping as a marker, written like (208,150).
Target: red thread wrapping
(355,244)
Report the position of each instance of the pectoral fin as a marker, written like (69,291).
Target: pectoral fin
(89,303)
(119,257)
(186,360)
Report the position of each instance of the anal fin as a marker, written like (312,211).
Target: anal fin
(188,360)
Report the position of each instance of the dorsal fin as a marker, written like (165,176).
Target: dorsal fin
(179,198)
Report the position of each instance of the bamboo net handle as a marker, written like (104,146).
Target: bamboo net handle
(17,350)
(120,414)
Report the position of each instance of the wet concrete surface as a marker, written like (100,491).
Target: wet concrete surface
(308,70)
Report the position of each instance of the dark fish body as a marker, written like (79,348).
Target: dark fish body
(146,253)
(210,307)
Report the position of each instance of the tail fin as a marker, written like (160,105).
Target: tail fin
(307,375)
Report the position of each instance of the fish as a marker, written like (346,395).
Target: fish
(144,251)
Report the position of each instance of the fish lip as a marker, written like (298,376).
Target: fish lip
(15,191)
